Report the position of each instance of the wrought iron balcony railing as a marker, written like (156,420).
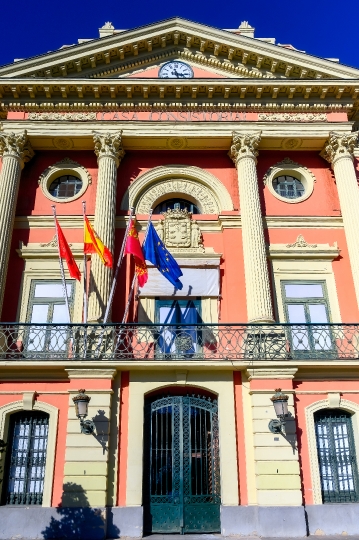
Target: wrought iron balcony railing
(179,342)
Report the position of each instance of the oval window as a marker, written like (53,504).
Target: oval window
(65,186)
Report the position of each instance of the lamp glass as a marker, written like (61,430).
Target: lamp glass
(81,408)
(281,407)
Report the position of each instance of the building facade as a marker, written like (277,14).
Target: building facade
(246,151)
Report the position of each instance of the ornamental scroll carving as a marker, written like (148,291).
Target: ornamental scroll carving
(109,145)
(74,117)
(339,146)
(301,243)
(180,232)
(169,187)
(296,117)
(244,146)
(16,145)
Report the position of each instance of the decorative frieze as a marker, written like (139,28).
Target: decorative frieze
(292,117)
(63,116)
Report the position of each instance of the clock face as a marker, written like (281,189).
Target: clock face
(176,70)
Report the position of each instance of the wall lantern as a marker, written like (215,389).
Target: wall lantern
(81,407)
(280,403)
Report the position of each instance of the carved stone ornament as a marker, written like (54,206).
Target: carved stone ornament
(17,146)
(339,146)
(52,243)
(109,145)
(65,117)
(292,117)
(301,243)
(169,187)
(180,232)
(244,146)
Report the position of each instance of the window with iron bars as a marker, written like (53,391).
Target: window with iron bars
(336,456)
(26,458)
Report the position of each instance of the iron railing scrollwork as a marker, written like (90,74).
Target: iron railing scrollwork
(25,341)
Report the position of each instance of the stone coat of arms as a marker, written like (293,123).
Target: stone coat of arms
(180,232)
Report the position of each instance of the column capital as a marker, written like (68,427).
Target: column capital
(338,146)
(244,145)
(17,146)
(109,145)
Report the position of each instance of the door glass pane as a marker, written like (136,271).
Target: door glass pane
(59,334)
(300,335)
(303,290)
(39,313)
(321,334)
(37,334)
(51,290)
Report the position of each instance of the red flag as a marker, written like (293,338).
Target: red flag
(133,247)
(66,253)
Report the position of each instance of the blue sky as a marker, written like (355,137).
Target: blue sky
(322,28)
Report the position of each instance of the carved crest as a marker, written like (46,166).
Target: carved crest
(179,231)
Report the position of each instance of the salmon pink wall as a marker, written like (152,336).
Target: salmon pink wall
(55,394)
(324,199)
(304,400)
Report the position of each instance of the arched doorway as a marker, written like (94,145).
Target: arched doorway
(181,465)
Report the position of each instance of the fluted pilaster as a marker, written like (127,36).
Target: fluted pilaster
(15,151)
(259,304)
(338,150)
(109,151)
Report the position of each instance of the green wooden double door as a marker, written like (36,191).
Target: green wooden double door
(181,465)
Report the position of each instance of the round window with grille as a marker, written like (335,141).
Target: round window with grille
(288,187)
(65,186)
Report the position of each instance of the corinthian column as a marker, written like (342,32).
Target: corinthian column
(15,151)
(259,304)
(109,151)
(338,150)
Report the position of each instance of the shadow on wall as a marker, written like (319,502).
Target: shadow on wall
(76,519)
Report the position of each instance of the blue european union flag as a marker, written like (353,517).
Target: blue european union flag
(155,251)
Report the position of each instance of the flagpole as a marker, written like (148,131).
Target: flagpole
(85,270)
(118,266)
(135,275)
(61,265)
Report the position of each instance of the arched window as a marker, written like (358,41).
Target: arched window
(26,458)
(180,204)
(65,186)
(288,187)
(336,456)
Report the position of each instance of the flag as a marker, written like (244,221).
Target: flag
(133,247)
(155,251)
(93,244)
(66,253)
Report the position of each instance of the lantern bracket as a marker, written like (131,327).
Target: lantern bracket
(87,426)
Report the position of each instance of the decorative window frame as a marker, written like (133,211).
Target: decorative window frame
(333,401)
(65,166)
(42,264)
(53,412)
(287,166)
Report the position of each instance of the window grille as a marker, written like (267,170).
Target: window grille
(288,187)
(26,458)
(65,186)
(176,204)
(336,456)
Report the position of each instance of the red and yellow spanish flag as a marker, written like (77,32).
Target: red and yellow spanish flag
(93,244)
(133,247)
(66,253)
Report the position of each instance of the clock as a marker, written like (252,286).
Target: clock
(175,70)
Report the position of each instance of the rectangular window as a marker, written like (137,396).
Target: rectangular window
(47,306)
(179,334)
(307,309)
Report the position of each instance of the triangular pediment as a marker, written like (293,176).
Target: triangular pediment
(210,51)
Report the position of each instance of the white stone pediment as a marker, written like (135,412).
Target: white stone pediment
(223,52)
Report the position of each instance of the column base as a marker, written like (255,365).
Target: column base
(268,521)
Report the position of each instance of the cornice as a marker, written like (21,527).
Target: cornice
(194,37)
